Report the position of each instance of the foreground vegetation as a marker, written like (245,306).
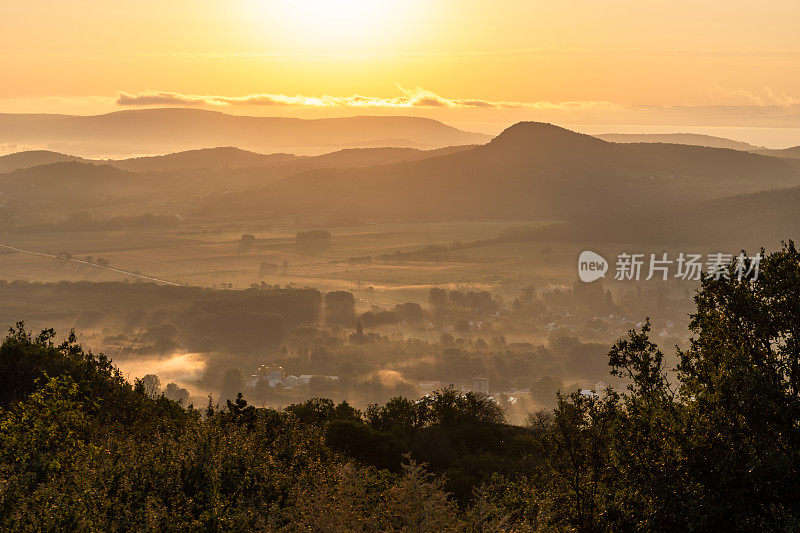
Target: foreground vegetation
(713,446)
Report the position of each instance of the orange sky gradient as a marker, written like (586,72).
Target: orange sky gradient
(712,66)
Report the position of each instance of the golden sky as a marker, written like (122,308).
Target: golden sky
(699,62)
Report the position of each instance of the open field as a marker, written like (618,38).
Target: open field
(210,257)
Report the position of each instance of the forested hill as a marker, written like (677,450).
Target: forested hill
(530,171)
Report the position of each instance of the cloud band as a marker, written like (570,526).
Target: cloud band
(409,98)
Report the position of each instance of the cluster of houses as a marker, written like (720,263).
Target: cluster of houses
(274,375)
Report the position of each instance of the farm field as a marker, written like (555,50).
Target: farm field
(209,256)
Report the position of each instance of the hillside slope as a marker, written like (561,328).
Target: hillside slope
(692,139)
(531,170)
(746,220)
(33,158)
(793,152)
(209,158)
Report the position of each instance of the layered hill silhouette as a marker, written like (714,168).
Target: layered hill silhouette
(33,158)
(159,130)
(692,139)
(207,158)
(67,173)
(276,164)
(166,184)
(63,187)
(745,220)
(232,158)
(530,171)
(696,139)
(793,152)
(210,158)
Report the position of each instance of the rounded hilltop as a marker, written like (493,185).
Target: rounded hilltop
(541,132)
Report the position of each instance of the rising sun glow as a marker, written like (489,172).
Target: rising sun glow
(333,24)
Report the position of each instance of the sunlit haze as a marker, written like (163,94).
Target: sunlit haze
(618,65)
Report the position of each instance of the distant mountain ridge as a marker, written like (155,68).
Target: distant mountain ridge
(793,152)
(229,157)
(176,129)
(211,158)
(691,139)
(696,139)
